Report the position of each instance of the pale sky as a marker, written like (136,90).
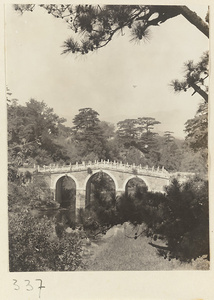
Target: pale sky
(103,80)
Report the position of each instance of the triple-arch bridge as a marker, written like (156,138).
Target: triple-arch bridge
(154,178)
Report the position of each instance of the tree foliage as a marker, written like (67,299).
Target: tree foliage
(98,24)
(127,132)
(180,218)
(32,133)
(195,77)
(171,154)
(88,135)
(138,133)
(197,129)
(33,242)
(34,246)
(185,222)
(36,135)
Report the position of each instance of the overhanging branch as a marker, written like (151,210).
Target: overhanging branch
(194,19)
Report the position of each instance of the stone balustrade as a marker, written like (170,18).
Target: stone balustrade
(104,164)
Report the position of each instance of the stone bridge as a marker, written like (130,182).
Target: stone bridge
(155,179)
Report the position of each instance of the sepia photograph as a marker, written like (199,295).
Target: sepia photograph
(107,137)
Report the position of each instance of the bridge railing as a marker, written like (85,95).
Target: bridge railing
(104,164)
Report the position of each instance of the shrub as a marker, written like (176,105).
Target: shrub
(33,242)
(34,245)
(184,219)
(180,217)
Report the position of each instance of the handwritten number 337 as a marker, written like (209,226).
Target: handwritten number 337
(28,285)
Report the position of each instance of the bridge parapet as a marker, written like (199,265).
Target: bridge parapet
(103,164)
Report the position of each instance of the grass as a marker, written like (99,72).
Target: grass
(119,251)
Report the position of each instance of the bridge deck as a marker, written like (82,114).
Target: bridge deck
(105,165)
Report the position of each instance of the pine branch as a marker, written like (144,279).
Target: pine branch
(194,19)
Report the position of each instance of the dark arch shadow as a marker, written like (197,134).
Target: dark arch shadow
(135,185)
(99,186)
(66,192)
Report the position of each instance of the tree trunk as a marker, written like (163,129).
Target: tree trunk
(200,91)
(194,19)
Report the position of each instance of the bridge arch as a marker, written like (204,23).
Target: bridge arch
(107,189)
(104,171)
(56,178)
(65,192)
(134,177)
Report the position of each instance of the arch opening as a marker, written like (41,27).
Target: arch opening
(135,185)
(66,192)
(100,189)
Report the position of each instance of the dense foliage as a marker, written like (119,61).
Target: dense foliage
(197,129)
(34,245)
(185,219)
(33,242)
(37,136)
(177,222)
(88,135)
(32,133)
